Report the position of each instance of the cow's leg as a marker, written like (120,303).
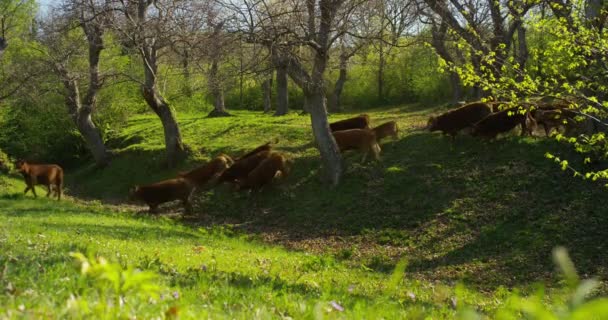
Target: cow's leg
(365,152)
(377,152)
(153,207)
(58,187)
(33,187)
(187,205)
(48,188)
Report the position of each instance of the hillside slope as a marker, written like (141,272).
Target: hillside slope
(152,268)
(486,213)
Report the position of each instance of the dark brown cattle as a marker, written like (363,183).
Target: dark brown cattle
(455,120)
(240,169)
(551,117)
(48,175)
(504,121)
(358,122)
(203,174)
(265,147)
(168,190)
(265,172)
(360,139)
(385,130)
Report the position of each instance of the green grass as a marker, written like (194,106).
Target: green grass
(212,272)
(483,214)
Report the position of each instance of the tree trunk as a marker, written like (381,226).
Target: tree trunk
(267,92)
(593,13)
(217,92)
(381,64)
(330,154)
(335,103)
(92,136)
(173,138)
(187,89)
(282,91)
(81,115)
(439,33)
(522,54)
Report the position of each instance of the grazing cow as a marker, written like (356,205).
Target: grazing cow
(455,120)
(386,129)
(264,173)
(361,139)
(201,175)
(358,122)
(504,121)
(45,174)
(551,118)
(241,168)
(265,147)
(168,190)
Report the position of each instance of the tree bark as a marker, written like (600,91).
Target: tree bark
(217,92)
(381,64)
(174,146)
(336,104)
(187,89)
(522,52)
(148,49)
(81,115)
(313,85)
(282,91)
(330,154)
(82,109)
(215,80)
(267,92)
(439,33)
(593,13)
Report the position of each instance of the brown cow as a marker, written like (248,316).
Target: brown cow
(168,190)
(265,172)
(386,129)
(361,139)
(265,147)
(455,120)
(358,122)
(551,117)
(203,174)
(504,121)
(240,169)
(45,174)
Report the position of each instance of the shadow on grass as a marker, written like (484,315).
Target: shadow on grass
(467,210)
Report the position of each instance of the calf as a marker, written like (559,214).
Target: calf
(264,173)
(386,129)
(455,120)
(201,175)
(361,139)
(358,122)
(241,168)
(45,174)
(168,190)
(504,121)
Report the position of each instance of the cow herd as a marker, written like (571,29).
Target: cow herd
(488,119)
(258,167)
(262,165)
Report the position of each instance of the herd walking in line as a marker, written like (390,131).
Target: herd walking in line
(263,165)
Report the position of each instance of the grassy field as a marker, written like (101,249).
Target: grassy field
(483,214)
